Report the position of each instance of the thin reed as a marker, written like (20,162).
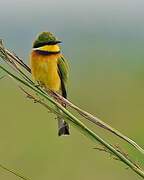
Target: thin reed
(16,69)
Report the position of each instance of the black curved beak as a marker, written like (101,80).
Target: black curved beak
(57,42)
(53,42)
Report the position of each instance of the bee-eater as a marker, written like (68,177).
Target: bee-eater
(50,69)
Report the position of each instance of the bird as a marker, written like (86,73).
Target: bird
(50,69)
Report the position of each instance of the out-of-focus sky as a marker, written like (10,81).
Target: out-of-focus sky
(21,20)
(104,43)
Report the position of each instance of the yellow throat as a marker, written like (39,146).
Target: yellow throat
(49,48)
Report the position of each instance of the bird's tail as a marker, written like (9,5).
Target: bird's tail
(63,127)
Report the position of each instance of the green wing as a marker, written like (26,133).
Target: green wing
(63,70)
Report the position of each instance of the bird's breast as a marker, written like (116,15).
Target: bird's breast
(44,70)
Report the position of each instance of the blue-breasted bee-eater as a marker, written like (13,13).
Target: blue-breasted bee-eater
(50,69)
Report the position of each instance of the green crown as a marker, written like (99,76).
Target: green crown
(45,38)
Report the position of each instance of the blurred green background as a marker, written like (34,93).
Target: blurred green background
(104,42)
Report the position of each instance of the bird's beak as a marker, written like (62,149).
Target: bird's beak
(57,42)
(53,42)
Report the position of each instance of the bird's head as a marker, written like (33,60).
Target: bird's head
(46,41)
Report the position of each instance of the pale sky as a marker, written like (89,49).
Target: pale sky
(21,20)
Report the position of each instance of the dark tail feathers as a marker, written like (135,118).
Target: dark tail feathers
(63,128)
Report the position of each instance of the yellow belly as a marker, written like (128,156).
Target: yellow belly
(44,70)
